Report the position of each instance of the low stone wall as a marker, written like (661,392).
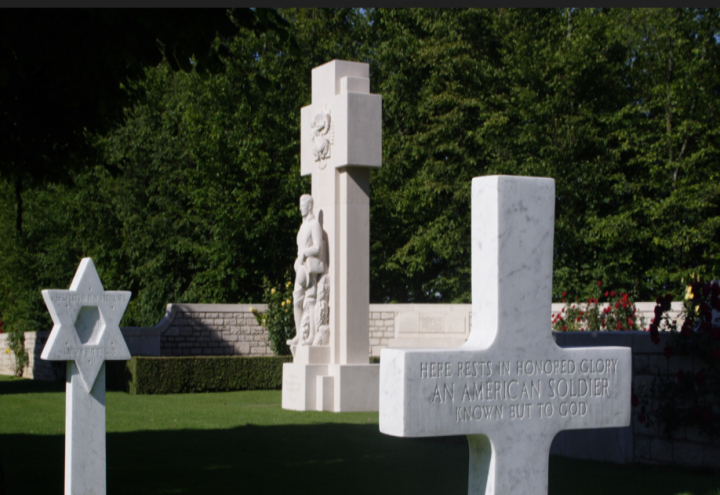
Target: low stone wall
(687,446)
(231,329)
(214,329)
(202,330)
(448,325)
(37,369)
(637,442)
(382,328)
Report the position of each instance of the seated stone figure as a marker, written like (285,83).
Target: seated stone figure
(310,291)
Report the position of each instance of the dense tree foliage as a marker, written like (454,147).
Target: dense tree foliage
(66,74)
(193,196)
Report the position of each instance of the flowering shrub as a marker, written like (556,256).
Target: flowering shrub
(16,343)
(279,318)
(616,313)
(688,397)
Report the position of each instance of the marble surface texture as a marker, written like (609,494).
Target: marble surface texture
(85,458)
(341,139)
(86,323)
(510,388)
(86,332)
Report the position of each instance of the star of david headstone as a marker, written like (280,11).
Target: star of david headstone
(86,323)
(510,388)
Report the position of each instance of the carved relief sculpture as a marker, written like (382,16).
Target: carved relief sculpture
(310,294)
(322,137)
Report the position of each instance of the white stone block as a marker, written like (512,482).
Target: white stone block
(312,354)
(85,333)
(299,385)
(510,388)
(325,393)
(354,128)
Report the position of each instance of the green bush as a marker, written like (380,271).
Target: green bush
(176,375)
(279,319)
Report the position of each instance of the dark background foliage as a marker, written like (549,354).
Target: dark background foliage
(185,187)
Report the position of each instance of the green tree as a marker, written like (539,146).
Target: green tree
(439,74)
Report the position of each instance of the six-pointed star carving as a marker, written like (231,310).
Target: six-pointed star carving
(86,323)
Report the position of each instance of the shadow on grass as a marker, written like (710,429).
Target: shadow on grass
(12,385)
(319,459)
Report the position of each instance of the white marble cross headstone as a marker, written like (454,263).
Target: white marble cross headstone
(340,141)
(86,333)
(510,388)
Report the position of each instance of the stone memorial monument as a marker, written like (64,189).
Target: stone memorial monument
(85,333)
(510,388)
(341,140)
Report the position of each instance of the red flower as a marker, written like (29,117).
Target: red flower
(564,293)
(562,310)
(578,319)
(619,326)
(606,293)
(669,351)
(700,378)
(562,300)
(617,305)
(564,328)
(599,283)
(612,294)
(630,323)
(582,313)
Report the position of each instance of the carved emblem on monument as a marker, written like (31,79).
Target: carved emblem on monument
(323,136)
(310,294)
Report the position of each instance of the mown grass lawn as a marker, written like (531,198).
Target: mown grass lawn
(243,442)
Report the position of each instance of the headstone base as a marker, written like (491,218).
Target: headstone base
(333,387)
(311,354)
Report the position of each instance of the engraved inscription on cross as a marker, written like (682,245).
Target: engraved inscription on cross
(510,388)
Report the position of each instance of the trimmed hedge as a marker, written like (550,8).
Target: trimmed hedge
(177,375)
